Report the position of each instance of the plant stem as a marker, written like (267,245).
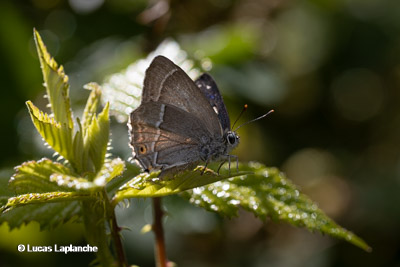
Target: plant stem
(115,232)
(160,254)
(94,218)
(117,242)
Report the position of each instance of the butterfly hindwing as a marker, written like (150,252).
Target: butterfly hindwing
(159,137)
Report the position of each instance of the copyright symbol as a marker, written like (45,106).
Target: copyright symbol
(21,248)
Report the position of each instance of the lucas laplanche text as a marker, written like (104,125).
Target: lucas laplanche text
(63,249)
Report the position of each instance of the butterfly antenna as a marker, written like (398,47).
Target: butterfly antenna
(256,119)
(240,115)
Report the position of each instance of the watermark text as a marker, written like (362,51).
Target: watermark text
(57,248)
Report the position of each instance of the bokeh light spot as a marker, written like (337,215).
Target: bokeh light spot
(85,6)
(358,94)
(62,23)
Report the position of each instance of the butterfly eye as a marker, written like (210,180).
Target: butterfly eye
(142,149)
(231,138)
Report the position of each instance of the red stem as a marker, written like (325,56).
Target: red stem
(160,254)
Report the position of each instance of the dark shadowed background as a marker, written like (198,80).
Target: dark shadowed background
(330,69)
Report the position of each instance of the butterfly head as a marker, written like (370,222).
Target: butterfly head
(232,139)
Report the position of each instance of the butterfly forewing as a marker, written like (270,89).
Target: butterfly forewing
(210,90)
(166,83)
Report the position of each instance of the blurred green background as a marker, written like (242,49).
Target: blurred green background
(329,68)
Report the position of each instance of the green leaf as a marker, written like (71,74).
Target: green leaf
(80,154)
(58,136)
(5,192)
(48,215)
(268,192)
(148,185)
(41,198)
(73,183)
(34,177)
(131,170)
(92,105)
(42,195)
(109,170)
(97,138)
(56,83)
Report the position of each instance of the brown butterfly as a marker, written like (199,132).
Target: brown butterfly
(179,123)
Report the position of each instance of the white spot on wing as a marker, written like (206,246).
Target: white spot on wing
(215,109)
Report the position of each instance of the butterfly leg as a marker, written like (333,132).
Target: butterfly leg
(205,167)
(222,163)
(229,164)
(237,163)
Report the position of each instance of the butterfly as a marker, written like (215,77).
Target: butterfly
(180,122)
